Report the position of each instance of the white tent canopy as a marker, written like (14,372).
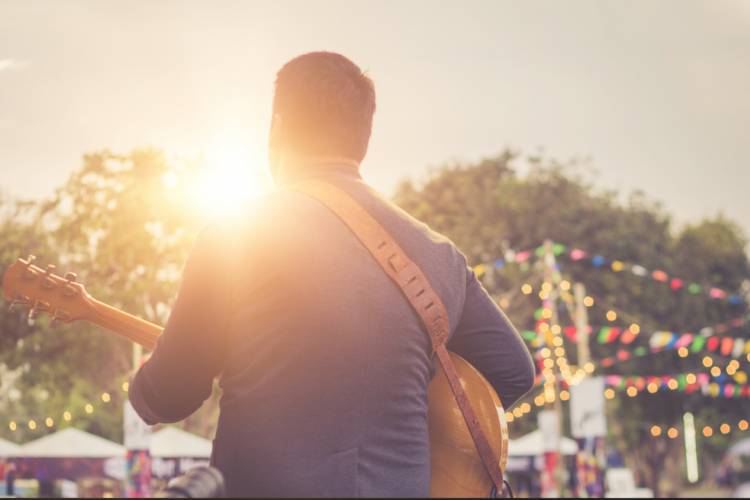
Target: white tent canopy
(532,444)
(741,447)
(72,443)
(8,448)
(172,442)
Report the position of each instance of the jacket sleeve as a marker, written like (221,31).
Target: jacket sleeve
(179,375)
(486,339)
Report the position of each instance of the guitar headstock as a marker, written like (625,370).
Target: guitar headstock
(41,290)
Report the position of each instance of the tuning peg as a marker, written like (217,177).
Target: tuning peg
(50,268)
(41,306)
(71,276)
(60,316)
(32,314)
(20,300)
(48,282)
(30,273)
(69,290)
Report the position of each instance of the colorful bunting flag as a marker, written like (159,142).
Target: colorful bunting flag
(675,284)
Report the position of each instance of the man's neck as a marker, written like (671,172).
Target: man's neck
(295,168)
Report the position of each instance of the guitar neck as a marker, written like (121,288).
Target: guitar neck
(126,325)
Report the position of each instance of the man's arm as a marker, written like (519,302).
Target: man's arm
(179,375)
(486,339)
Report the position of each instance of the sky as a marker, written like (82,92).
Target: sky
(654,93)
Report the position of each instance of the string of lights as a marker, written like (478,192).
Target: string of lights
(67,416)
(669,431)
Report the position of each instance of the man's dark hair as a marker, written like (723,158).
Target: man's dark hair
(326,105)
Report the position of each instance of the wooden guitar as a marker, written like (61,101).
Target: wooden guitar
(457,469)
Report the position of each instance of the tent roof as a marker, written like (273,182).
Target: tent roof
(72,443)
(174,442)
(8,448)
(741,447)
(532,444)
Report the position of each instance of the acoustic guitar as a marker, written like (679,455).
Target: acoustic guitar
(457,469)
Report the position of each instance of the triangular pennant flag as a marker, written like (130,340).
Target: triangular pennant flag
(673,337)
(684,340)
(523,256)
(639,270)
(659,275)
(698,343)
(614,332)
(577,254)
(727,343)
(659,339)
(640,383)
(598,261)
(712,343)
(738,321)
(627,336)
(479,270)
(528,335)
(558,248)
(612,379)
(603,334)
(571,333)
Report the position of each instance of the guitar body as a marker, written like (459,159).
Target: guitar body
(457,469)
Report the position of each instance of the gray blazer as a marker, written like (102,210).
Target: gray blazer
(323,365)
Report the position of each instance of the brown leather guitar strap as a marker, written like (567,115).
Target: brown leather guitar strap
(422,297)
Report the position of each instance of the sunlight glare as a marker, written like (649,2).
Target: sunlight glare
(231,175)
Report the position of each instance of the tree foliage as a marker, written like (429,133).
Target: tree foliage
(488,207)
(126,234)
(121,223)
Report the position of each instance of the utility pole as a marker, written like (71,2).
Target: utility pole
(552,277)
(582,324)
(137,436)
(137,356)
(583,458)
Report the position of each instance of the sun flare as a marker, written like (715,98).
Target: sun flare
(230,174)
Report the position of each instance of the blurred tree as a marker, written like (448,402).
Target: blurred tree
(123,225)
(488,207)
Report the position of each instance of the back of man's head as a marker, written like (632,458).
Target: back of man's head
(325,104)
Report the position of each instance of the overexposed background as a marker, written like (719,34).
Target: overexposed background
(654,92)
